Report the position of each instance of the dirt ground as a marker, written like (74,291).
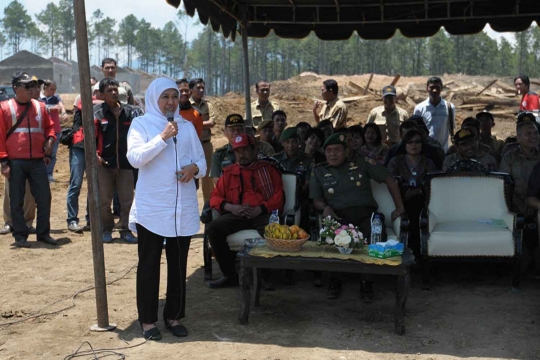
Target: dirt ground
(470,312)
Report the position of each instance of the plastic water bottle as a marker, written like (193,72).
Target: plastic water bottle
(376,230)
(274,218)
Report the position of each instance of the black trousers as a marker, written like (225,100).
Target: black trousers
(35,171)
(228,224)
(150,246)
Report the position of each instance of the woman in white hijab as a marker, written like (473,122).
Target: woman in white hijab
(169,156)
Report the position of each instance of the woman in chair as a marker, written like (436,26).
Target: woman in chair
(412,166)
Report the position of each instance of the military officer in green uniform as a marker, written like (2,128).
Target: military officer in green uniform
(341,188)
(291,158)
(224,156)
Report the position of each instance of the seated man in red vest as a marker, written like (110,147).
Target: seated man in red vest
(245,195)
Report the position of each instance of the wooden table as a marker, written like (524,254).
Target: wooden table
(250,265)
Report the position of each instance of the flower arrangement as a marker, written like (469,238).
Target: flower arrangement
(344,237)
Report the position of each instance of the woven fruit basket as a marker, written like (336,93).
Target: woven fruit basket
(286,245)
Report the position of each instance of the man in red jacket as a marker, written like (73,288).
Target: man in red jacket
(245,195)
(26,139)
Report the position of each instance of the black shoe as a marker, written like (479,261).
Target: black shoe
(21,243)
(48,240)
(223,282)
(177,330)
(152,334)
(31,230)
(366,291)
(334,289)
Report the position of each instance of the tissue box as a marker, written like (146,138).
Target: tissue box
(383,250)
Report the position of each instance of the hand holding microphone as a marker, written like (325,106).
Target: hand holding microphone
(171,129)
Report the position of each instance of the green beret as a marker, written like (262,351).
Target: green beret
(337,138)
(287,134)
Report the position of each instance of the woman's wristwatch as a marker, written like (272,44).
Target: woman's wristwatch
(196,167)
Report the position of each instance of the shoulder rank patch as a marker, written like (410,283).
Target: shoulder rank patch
(370,160)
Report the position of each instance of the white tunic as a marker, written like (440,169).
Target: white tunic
(159,194)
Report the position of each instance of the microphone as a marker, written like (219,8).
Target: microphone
(170,118)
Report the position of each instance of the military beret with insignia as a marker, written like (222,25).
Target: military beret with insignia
(287,134)
(338,138)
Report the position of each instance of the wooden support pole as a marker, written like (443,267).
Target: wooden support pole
(487,87)
(91,168)
(396,79)
(245,50)
(368,83)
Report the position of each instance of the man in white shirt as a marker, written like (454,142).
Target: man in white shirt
(438,114)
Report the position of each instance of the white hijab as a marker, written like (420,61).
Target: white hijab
(154,91)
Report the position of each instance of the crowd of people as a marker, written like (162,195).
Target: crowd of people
(140,141)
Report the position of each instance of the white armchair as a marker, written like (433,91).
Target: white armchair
(456,223)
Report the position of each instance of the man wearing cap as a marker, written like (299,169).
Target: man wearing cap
(519,163)
(263,107)
(439,115)
(26,140)
(245,195)
(265,130)
(333,109)
(224,156)
(206,110)
(511,142)
(487,122)
(474,125)
(388,116)
(341,189)
(112,120)
(109,69)
(291,158)
(467,149)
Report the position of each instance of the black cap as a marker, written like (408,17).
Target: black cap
(234,120)
(389,90)
(485,113)
(21,77)
(462,136)
(525,116)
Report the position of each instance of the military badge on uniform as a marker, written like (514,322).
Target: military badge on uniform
(331,191)
(358,183)
(341,138)
(370,160)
